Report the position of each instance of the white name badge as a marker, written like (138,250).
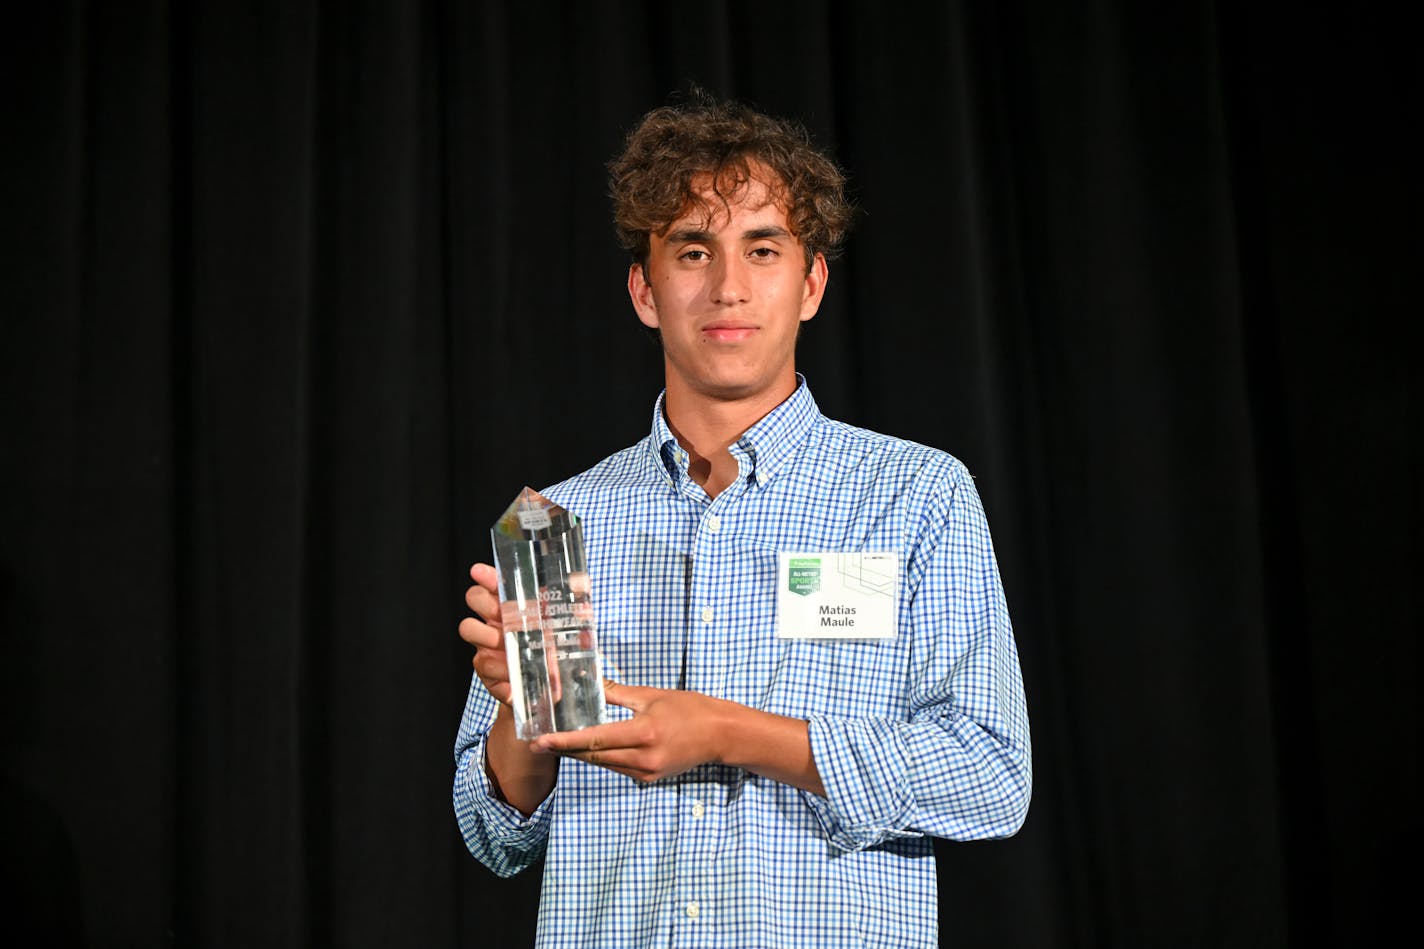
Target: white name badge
(837,596)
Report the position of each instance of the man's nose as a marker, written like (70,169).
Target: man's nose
(729,282)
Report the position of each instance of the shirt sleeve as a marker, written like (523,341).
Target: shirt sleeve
(497,834)
(960,767)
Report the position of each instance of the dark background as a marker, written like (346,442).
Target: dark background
(298,295)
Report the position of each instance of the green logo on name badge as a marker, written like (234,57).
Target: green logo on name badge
(804,576)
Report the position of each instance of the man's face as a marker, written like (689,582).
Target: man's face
(727,296)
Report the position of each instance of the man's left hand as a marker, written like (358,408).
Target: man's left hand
(670,732)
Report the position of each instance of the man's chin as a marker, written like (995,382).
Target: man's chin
(746,390)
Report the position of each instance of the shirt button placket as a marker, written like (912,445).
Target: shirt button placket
(698,834)
(698,829)
(713,523)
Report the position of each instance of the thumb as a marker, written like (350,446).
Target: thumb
(627,696)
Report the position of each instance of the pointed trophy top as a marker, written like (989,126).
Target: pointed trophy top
(531,511)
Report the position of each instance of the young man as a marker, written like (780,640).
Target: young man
(764,782)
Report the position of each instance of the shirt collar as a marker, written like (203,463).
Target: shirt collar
(766,447)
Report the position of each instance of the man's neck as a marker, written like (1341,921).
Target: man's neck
(706,427)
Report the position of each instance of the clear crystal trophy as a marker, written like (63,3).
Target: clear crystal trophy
(555,672)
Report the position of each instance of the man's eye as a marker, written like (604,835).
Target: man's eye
(764,253)
(695,255)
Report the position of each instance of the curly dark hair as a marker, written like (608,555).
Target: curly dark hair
(651,182)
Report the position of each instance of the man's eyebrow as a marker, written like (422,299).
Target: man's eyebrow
(762,233)
(693,235)
(689,235)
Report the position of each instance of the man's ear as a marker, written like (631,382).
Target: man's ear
(641,293)
(815,289)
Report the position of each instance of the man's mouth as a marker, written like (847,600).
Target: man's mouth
(728,332)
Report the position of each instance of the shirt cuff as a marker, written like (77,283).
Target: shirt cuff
(864,767)
(503,823)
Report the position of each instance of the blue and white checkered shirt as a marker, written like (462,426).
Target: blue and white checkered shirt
(923,734)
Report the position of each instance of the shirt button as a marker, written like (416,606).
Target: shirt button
(693,910)
(714,523)
(707,614)
(698,810)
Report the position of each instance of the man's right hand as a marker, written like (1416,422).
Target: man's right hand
(485,631)
(518,775)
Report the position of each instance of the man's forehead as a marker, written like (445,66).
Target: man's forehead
(715,202)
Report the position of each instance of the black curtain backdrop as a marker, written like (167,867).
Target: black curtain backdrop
(298,295)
